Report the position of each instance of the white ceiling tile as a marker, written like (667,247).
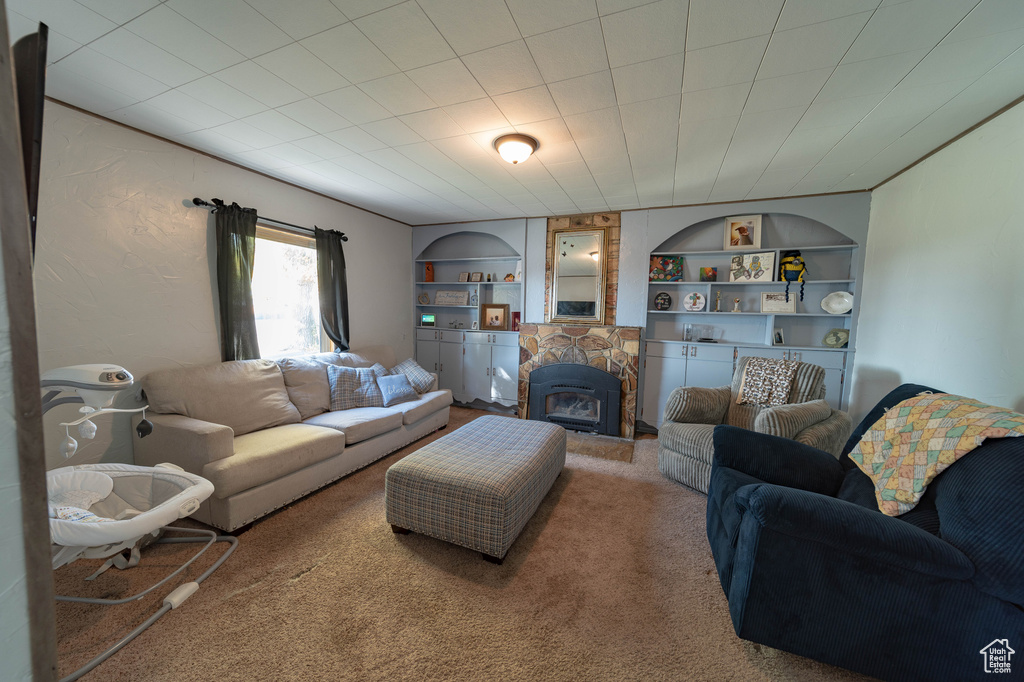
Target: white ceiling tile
(154,120)
(257,82)
(806,147)
(356,139)
(868,138)
(260,160)
(433,124)
(65,17)
(918,100)
(713,22)
(702,105)
(969,58)
(585,93)
(505,68)
(847,112)
(907,26)
(211,142)
(131,50)
(98,68)
(651,128)
(280,126)
(569,52)
(648,80)
(786,91)
(539,16)
(346,50)
(716,67)
(323,147)
(58,45)
(406,36)
(293,154)
(870,75)
(472,26)
(300,18)
(595,124)
(353,9)
(118,11)
(811,47)
(392,132)
(551,131)
(645,33)
(68,86)
(353,104)
(189,109)
(296,65)
(477,116)
(775,183)
(448,82)
(234,22)
(397,94)
(526,106)
(314,116)
(177,35)
(758,137)
(605,7)
(222,96)
(799,13)
(988,18)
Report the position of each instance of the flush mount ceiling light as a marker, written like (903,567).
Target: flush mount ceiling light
(515,148)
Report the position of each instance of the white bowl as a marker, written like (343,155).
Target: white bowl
(837,303)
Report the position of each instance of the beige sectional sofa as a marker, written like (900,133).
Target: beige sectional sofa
(263,433)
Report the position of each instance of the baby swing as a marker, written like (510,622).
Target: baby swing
(112,510)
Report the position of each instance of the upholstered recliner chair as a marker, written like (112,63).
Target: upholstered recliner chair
(685,443)
(810,565)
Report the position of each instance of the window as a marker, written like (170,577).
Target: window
(284,294)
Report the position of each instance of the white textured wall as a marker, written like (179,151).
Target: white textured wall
(942,273)
(123,269)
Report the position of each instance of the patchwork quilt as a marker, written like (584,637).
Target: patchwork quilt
(920,438)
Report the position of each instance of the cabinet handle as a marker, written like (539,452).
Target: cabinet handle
(435,366)
(693,351)
(797,356)
(435,333)
(442,367)
(488,371)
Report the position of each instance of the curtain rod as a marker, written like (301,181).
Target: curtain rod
(217,203)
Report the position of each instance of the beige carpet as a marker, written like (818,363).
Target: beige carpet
(611,580)
(603,447)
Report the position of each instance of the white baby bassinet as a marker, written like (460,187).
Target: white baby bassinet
(98,510)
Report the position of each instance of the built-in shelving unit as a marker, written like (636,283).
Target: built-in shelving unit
(446,278)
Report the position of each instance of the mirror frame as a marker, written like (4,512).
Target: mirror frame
(602,269)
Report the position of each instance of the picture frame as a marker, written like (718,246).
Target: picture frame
(463,276)
(778,338)
(666,269)
(515,320)
(475,325)
(451,298)
(476,277)
(742,232)
(494,316)
(775,302)
(709,274)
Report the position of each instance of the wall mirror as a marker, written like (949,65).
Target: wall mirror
(578,276)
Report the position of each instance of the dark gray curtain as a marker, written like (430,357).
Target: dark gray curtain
(236,250)
(333,283)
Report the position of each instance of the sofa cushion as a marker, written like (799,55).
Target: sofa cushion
(424,405)
(396,389)
(786,421)
(355,386)
(245,395)
(308,388)
(359,423)
(420,378)
(267,455)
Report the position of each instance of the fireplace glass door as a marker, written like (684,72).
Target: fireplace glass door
(573,405)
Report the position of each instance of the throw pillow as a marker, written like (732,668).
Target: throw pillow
(306,381)
(355,386)
(396,389)
(420,378)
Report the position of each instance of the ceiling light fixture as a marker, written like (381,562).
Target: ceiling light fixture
(516,148)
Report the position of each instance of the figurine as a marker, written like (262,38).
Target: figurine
(718,301)
(736,305)
(488,277)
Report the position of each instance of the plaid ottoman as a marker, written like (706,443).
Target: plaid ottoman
(477,486)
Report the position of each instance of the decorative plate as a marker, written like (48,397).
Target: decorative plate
(836,338)
(837,303)
(424,299)
(662,301)
(693,302)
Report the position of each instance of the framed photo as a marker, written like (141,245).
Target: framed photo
(494,316)
(753,267)
(666,269)
(709,274)
(742,232)
(515,321)
(427,319)
(777,338)
(475,325)
(775,302)
(463,276)
(476,277)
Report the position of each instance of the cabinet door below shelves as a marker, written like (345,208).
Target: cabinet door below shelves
(427,354)
(450,367)
(505,374)
(478,370)
(709,366)
(661,377)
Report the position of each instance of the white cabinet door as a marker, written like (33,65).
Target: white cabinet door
(709,365)
(477,377)
(450,367)
(427,354)
(505,374)
(662,376)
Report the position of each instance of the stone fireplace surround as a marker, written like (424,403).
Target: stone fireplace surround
(614,349)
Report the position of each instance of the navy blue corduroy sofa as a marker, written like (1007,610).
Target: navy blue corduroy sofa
(809,565)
